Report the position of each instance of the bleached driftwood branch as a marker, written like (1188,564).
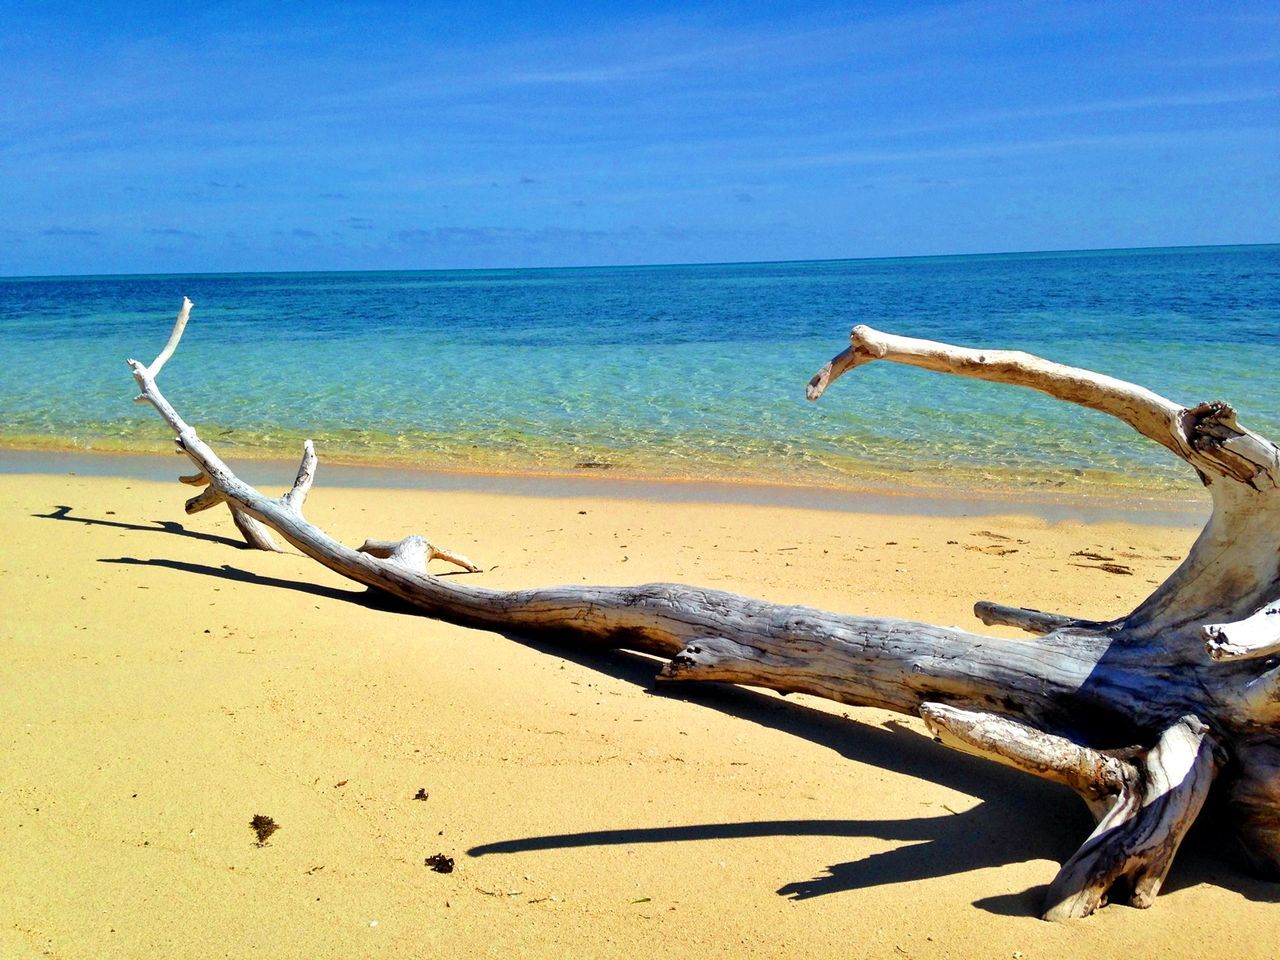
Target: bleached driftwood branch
(1138,715)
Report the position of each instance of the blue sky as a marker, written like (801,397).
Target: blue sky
(246,136)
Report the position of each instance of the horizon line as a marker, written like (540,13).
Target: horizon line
(642,266)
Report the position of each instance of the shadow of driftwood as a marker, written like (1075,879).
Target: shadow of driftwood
(63,512)
(937,845)
(995,832)
(1200,861)
(1018,818)
(372,599)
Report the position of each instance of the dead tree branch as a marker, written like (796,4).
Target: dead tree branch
(1139,715)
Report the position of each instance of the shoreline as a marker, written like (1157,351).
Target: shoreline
(1146,507)
(820,467)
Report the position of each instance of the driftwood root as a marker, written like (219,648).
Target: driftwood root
(1138,715)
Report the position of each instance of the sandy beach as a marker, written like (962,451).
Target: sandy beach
(164,687)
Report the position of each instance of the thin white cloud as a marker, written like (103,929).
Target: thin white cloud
(1120,105)
(999,149)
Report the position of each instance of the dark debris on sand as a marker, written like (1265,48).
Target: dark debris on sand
(263,827)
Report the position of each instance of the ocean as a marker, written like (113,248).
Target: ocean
(674,372)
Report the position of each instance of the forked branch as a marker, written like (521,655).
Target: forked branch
(1149,413)
(1139,835)
(1207,436)
(253,514)
(414,553)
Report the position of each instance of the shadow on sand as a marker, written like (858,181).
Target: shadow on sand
(1017,819)
(63,512)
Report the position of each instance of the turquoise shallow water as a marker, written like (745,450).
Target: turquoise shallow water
(681,371)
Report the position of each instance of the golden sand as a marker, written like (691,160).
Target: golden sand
(161,688)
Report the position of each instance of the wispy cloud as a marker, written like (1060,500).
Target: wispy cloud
(547,237)
(173,232)
(451,236)
(1049,111)
(999,149)
(68,232)
(667,47)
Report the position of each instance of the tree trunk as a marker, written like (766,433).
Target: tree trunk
(1139,715)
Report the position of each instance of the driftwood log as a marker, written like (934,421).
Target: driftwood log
(1140,715)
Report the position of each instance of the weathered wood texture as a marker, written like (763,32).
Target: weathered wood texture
(1139,715)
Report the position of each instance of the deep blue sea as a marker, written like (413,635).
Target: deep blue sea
(669,371)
